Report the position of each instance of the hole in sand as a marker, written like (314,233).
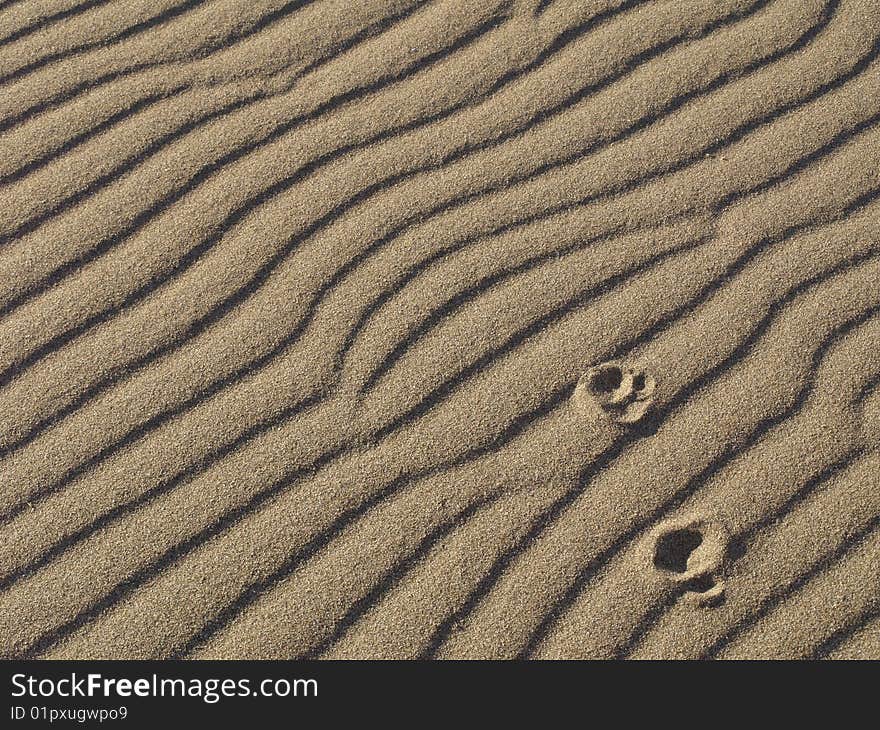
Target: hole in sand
(674,549)
(639,381)
(606,379)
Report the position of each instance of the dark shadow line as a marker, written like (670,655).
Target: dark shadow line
(518,425)
(777,597)
(796,499)
(244,370)
(839,637)
(233,39)
(4,4)
(72,92)
(518,338)
(358,609)
(204,463)
(867,388)
(166,560)
(184,7)
(119,511)
(498,277)
(163,204)
(50,20)
(127,165)
(739,543)
(625,648)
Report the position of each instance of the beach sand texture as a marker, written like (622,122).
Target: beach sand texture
(440,329)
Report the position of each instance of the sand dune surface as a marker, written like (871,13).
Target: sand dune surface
(440,329)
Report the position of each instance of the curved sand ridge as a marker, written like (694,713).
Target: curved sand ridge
(295,303)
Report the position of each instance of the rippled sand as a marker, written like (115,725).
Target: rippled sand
(451,328)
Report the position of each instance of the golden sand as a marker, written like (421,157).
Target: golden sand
(440,328)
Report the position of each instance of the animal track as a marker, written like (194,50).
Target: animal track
(625,395)
(690,552)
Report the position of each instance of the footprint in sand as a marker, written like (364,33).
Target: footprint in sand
(690,552)
(625,395)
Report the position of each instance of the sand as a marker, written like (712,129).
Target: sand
(440,329)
